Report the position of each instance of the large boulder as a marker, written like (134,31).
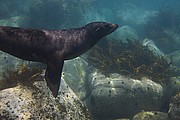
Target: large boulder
(29,96)
(22,102)
(151,115)
(152,47)
(118,96)
(75,74)
(175,58)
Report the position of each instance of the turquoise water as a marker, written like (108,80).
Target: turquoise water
(136,68)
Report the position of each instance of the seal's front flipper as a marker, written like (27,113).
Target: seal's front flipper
(53,76)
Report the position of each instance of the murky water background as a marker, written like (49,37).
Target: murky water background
(133,73)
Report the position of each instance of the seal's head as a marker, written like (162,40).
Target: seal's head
(100,29)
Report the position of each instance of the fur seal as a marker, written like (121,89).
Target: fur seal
(52,47)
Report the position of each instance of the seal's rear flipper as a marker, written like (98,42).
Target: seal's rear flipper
(53,76)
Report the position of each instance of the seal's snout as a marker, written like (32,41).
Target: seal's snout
(115,26)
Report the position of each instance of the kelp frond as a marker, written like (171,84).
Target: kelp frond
(23,75)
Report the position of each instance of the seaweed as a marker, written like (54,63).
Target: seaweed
(23,75)
(176,99)
(131,59)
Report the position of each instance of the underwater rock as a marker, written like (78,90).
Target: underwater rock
(22,102)
(125,33)
(175,58)
(176,83)
(174,108)
(33,100)
(151,46)
(151,115)
(74,73)
(118,96)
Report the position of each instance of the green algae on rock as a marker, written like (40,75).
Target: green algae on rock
(23,103)
(174,108)
(23,75)
(151,115)
(131,59)
(24,95)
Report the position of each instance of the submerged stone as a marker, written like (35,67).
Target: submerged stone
(118,96)
(151,115)
(21,102)
(175,58)
(74,73)
(174,108)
